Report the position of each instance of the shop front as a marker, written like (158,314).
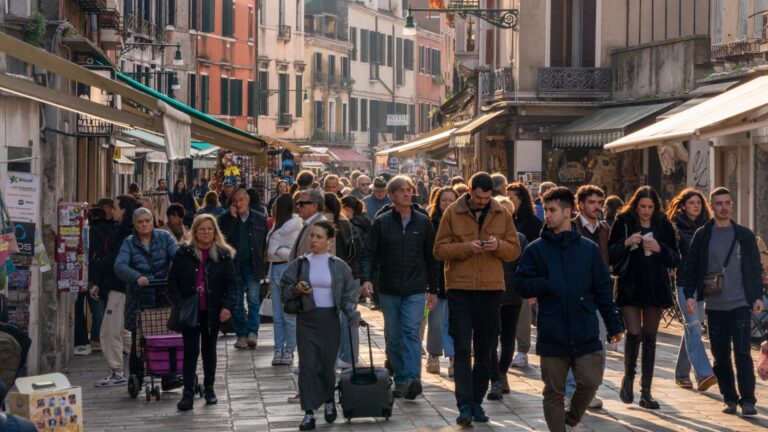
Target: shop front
(482,144)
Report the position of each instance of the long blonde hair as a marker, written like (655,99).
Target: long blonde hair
(218,238)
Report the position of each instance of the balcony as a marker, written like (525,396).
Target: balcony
(92,5)
(735,51)
(497,84)
(284,32)
(284,120)
(320,136)
(575,81)
(144,29)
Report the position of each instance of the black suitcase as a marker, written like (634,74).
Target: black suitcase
(365,392)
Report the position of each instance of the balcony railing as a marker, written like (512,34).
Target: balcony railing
(135,24)
(322,137)
(736,50)
(284,32)
(574,80)
(285,119)
(497,83)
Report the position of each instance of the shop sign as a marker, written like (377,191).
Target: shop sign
(397,119)
(25,237)
(461,141)
(21,192)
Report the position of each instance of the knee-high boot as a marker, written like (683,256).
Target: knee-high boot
(631,350)
(648,364)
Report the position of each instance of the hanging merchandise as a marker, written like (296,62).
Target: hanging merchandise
(8,243)
(72,247)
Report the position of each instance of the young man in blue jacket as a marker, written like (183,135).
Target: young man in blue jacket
(567,275)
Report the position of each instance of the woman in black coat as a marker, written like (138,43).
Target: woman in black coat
(526,221)
(181,195)
(643,249)
(204,268)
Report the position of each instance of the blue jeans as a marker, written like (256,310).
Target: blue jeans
(402,319)
(96,306)
(438,339)
(247,285)
(284,324)
(345,350)
(570,381)
(447,339)
(692,352)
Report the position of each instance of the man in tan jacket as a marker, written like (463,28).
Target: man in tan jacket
(475,237)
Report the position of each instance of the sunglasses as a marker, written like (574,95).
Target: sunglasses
(303,203)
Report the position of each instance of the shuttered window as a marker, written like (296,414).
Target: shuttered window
(224,102)
(204,91)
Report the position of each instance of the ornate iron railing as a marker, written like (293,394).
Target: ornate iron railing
(284,119)
(497,81)
(320,136)
(736,50)
(571,79)
(284,32)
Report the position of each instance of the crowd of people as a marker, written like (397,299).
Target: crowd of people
(481,255)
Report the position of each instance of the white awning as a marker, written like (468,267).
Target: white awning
(725,114)
(423,143)
(157,157)
(124,165)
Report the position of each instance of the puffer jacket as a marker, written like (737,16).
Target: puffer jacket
(361,225)
(465,270)
(685,228)
(134,261)
(567,275)
(280,241)
(402,256)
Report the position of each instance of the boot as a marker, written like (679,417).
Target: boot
(187,401)
(631,350)
(648,364)
(210,396)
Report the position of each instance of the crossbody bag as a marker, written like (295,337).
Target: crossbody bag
(714,281)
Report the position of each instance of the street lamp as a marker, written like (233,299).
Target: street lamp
(175,82)
(177,59)
(501,18)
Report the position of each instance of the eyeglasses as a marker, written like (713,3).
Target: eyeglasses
(303,203)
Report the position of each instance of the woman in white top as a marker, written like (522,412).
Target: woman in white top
(279,243)
(329,287)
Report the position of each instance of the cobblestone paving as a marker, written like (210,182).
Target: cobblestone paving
(252,397)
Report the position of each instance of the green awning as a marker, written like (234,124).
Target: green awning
(157,141)
(603,126)
(198,145)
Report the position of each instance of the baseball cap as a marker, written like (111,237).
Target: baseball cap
(379,184)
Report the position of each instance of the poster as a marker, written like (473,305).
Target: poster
(72,247)
(21,192)
(25,237)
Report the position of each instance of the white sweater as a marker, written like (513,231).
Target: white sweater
(280,242)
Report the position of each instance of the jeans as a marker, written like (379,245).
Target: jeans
(473,322)
(402,316)
(692,352)
(347,346)
(193,339)
(570,381)
(284,324)
(247,286)
(96,306)
(726,328)
(448,349)
(435,324)
(507,329)
(524,327)
(588,369)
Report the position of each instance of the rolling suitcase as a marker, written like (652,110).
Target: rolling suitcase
(365,392)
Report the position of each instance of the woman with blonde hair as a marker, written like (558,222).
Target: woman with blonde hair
(203,268)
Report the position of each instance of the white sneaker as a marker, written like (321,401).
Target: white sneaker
(520,360)
(82,350)
(114,379)
(341,364)
(596,403)
(295,398)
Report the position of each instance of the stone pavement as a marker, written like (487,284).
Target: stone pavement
(252,397)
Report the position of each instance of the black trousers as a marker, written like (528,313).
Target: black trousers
(728,328)
(473,319)
(507,328)
(201,340)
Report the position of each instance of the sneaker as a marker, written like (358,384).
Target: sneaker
(253,340)
(450,367)
(748,409)
(277,359)
(82,350)
(684,383)
(478,414)
(398,391)
(730,408)
(495,392)
(574,428)
(520,360)
(413,389)
(242,343)
(308,423)
(330,412)
(287,359)
(114,379)
(95,346)
(465,416)
(596,403)
(433,364)
(567,402)
(707,382)
(504,384)
(295,398)
(341,364)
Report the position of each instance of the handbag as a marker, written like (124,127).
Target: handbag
(266,305)
(293,306)
(184,315)
(713,281)
(619,270)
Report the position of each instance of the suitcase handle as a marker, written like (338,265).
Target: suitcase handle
(352,348)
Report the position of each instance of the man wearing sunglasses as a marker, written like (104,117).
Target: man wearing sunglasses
(309,207)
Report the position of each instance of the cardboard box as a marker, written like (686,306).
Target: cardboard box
(48,401)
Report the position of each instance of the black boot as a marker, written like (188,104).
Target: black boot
(187,401)
(631,350)
(210,396)
(648,364)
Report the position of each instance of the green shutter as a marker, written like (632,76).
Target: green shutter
(224,108)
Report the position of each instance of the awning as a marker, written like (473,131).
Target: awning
(145,139)
(426,142)
(156,157)
(124,165)
(603,126)
(477,122)
(711,89)
(690,103)
(348,157)
(724,114)
(312,164)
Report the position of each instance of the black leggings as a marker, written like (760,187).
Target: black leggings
(508,316)
(193,339)
(642,319)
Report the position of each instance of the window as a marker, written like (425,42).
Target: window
(436,68)
(364,115)
(399,75)
(344,119)
(236,97)
(344,67)
(353,114)
(318,65)
(128,7)
(421,59)
(373,41)
(251,98)
(570,48)
(407,54)
(353,39)
(299,96)
(194,16)
(261,12)
(281,12)
(227,27)
(224,107)
(283,103)
(250,24)
(159,15)
(192,90)
(470,44)
(204,89)
(263,95)
(390,51)
(331,66)
(208,16)
(364,46)
(299,14)
(319,124)
(172,12)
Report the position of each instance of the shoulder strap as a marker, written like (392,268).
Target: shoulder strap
(730,251)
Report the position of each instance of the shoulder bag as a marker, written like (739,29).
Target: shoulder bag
(293,306)
(619,270)
(713,281)
(184,315)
